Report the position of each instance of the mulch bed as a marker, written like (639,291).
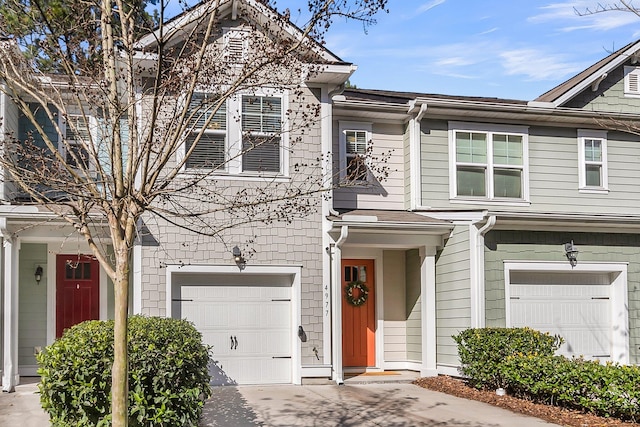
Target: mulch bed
(552,414)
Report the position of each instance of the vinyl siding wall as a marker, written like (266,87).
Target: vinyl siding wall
(406,142)
(548,246)
(413,307)
(32,320)
(553,173)
(388,194)
(298,243)
(395,317)
(453,295)
(9,125)
(609,96)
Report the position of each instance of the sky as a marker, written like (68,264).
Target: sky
(514,49)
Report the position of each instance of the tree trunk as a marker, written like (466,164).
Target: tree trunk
(119,371)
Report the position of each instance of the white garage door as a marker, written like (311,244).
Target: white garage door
(565,305)
(249,328)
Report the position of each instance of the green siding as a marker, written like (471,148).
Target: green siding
(548,246)
(553,173)
(32,321)
(609,96)
(453,295)
(413,306)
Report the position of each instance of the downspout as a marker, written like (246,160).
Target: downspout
(414,157)
(336,325)
(478,315)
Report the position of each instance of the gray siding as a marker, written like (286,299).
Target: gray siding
(453,295)
(32,321)
(413,307)
(553,173)
(548,246)
(10,125)
(298,243)
(386,194)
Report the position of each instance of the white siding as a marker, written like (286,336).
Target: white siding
(388,194)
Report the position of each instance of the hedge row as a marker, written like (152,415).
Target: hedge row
(521,360)
(168,375)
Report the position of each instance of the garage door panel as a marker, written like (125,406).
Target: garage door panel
(581,314)
(257,318)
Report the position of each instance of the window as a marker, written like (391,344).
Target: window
(488,163)
(632,81)
(261,128)
(211,128)
(354,150)
(77,137)
(592,146)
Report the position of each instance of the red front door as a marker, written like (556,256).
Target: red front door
(77,291)
(358,313)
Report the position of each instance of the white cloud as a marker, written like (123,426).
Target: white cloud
(538,65)
(583,14)
(492,30)
(428,6)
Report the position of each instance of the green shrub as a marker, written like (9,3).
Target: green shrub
(609,390)
(168,375)
(483,350)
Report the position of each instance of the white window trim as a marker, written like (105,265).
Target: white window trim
(582,175)
(343,127)
(618,296)
(233,141)
(182,151)
(284,134)
(629,70)
(92,122)
(489,129)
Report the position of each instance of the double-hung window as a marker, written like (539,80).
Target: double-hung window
(592,153)
(355,138)
(77,139)
(261,133)
(488,162)
(208,131)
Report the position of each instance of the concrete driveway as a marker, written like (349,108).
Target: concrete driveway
(389,405)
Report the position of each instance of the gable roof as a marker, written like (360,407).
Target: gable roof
(263,14)
(565,92)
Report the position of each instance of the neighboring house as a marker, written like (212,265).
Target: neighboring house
(467,230)
(522,183)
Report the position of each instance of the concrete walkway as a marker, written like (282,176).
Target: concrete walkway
(374,404)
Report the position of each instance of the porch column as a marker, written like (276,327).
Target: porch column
(336,292)
(428,308)
(10,376)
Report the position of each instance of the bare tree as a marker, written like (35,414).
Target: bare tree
(119,108)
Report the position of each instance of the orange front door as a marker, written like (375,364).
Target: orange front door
(358,313)
(77,290)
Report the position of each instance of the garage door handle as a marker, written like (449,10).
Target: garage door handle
(234,342)
(601,355)
(599,297)
(281,357)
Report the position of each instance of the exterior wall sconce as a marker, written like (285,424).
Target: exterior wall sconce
(572,253)
(38,274)
(238,258)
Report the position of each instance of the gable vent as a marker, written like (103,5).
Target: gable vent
(632,80)
(235,46)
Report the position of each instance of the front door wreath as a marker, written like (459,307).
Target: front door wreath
(363,293)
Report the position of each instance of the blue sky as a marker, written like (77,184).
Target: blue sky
(514,49)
